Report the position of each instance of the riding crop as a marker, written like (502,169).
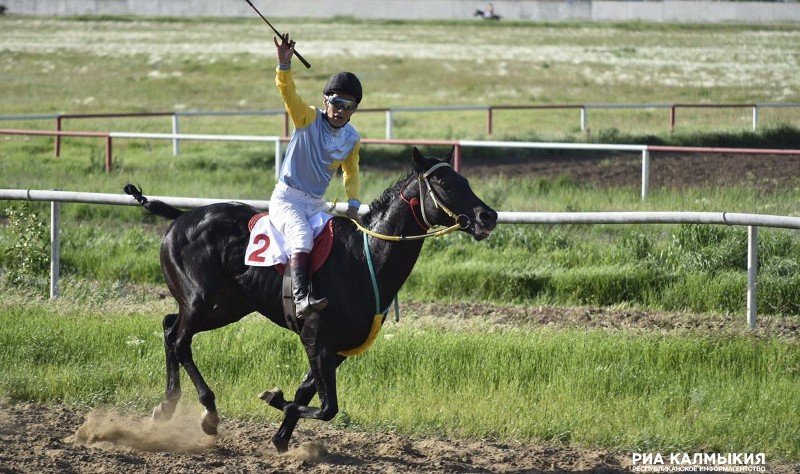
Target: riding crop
(301,58)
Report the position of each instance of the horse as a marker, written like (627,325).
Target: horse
(202,258)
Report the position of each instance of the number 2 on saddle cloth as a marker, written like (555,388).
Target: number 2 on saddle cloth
(265,248)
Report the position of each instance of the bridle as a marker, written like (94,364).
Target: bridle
(460,221)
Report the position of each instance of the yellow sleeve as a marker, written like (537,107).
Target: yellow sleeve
(350,173)
(302,114)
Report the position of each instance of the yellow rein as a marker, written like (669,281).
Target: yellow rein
(399,238)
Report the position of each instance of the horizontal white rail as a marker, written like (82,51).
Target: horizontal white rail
(125,200)
(551,145)
(723,218)
(508,217)
(229,113)
(195,136)
(655,217)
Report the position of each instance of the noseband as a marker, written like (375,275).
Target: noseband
(460,221)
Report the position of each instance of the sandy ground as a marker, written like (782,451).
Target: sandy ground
(37,438)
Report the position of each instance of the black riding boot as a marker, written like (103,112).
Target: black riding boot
(305,302)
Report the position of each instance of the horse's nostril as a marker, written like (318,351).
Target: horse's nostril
(487,217)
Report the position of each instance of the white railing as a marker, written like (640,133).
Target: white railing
(752,221)
(645,150)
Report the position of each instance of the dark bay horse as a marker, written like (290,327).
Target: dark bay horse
(202,256)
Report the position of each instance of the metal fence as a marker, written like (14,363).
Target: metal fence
(752,221)
(391,112)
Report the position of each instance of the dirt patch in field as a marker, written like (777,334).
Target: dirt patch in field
(493,317)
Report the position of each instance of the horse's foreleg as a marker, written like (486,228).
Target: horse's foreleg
(305,392)
(165,410)
(323,369)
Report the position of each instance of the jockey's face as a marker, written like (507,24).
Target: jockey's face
(339,108)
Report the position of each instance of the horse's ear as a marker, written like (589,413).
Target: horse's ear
(420,162)
(450,156)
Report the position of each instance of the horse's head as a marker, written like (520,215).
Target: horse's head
(445,197)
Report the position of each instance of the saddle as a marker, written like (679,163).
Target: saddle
(319,255)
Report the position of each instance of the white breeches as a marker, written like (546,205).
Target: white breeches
(289,211)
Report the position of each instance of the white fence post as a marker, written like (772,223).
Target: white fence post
(389,124)
(175,131)
(645,173)
(584,119)
(755,117)
(752,272)
(55,255)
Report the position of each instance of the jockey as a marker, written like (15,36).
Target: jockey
(322,142)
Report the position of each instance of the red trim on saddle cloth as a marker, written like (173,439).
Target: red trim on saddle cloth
(322,244)
(255,219)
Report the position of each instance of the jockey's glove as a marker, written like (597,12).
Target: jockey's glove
(352,213)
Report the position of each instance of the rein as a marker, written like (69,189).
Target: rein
(457,218)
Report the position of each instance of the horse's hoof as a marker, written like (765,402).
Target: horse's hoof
(274,398)
(281,444)
(161,415)
(210,422)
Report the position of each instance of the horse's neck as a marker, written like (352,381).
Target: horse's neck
(394,260)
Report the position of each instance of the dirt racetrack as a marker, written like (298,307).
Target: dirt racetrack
(38,438)
(57,438)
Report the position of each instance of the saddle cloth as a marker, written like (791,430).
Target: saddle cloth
(266,246)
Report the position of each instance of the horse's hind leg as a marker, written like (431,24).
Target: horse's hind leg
(305,392)
(165,410)
(183,350)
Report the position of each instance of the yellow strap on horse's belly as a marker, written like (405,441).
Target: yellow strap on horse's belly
(377,322)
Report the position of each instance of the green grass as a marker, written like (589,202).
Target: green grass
(96,65)
(657,267)
(100,344)
(643,391)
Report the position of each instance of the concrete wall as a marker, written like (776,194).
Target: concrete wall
(680,11)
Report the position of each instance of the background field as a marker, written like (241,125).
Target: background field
(678,390)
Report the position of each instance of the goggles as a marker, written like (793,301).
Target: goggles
(339,103)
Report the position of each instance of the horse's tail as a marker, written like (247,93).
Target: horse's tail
(158,208)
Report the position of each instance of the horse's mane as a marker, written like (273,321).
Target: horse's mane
(382,202)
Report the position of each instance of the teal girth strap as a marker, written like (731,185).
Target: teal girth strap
(374,280)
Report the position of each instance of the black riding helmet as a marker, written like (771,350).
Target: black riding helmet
(345,83)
